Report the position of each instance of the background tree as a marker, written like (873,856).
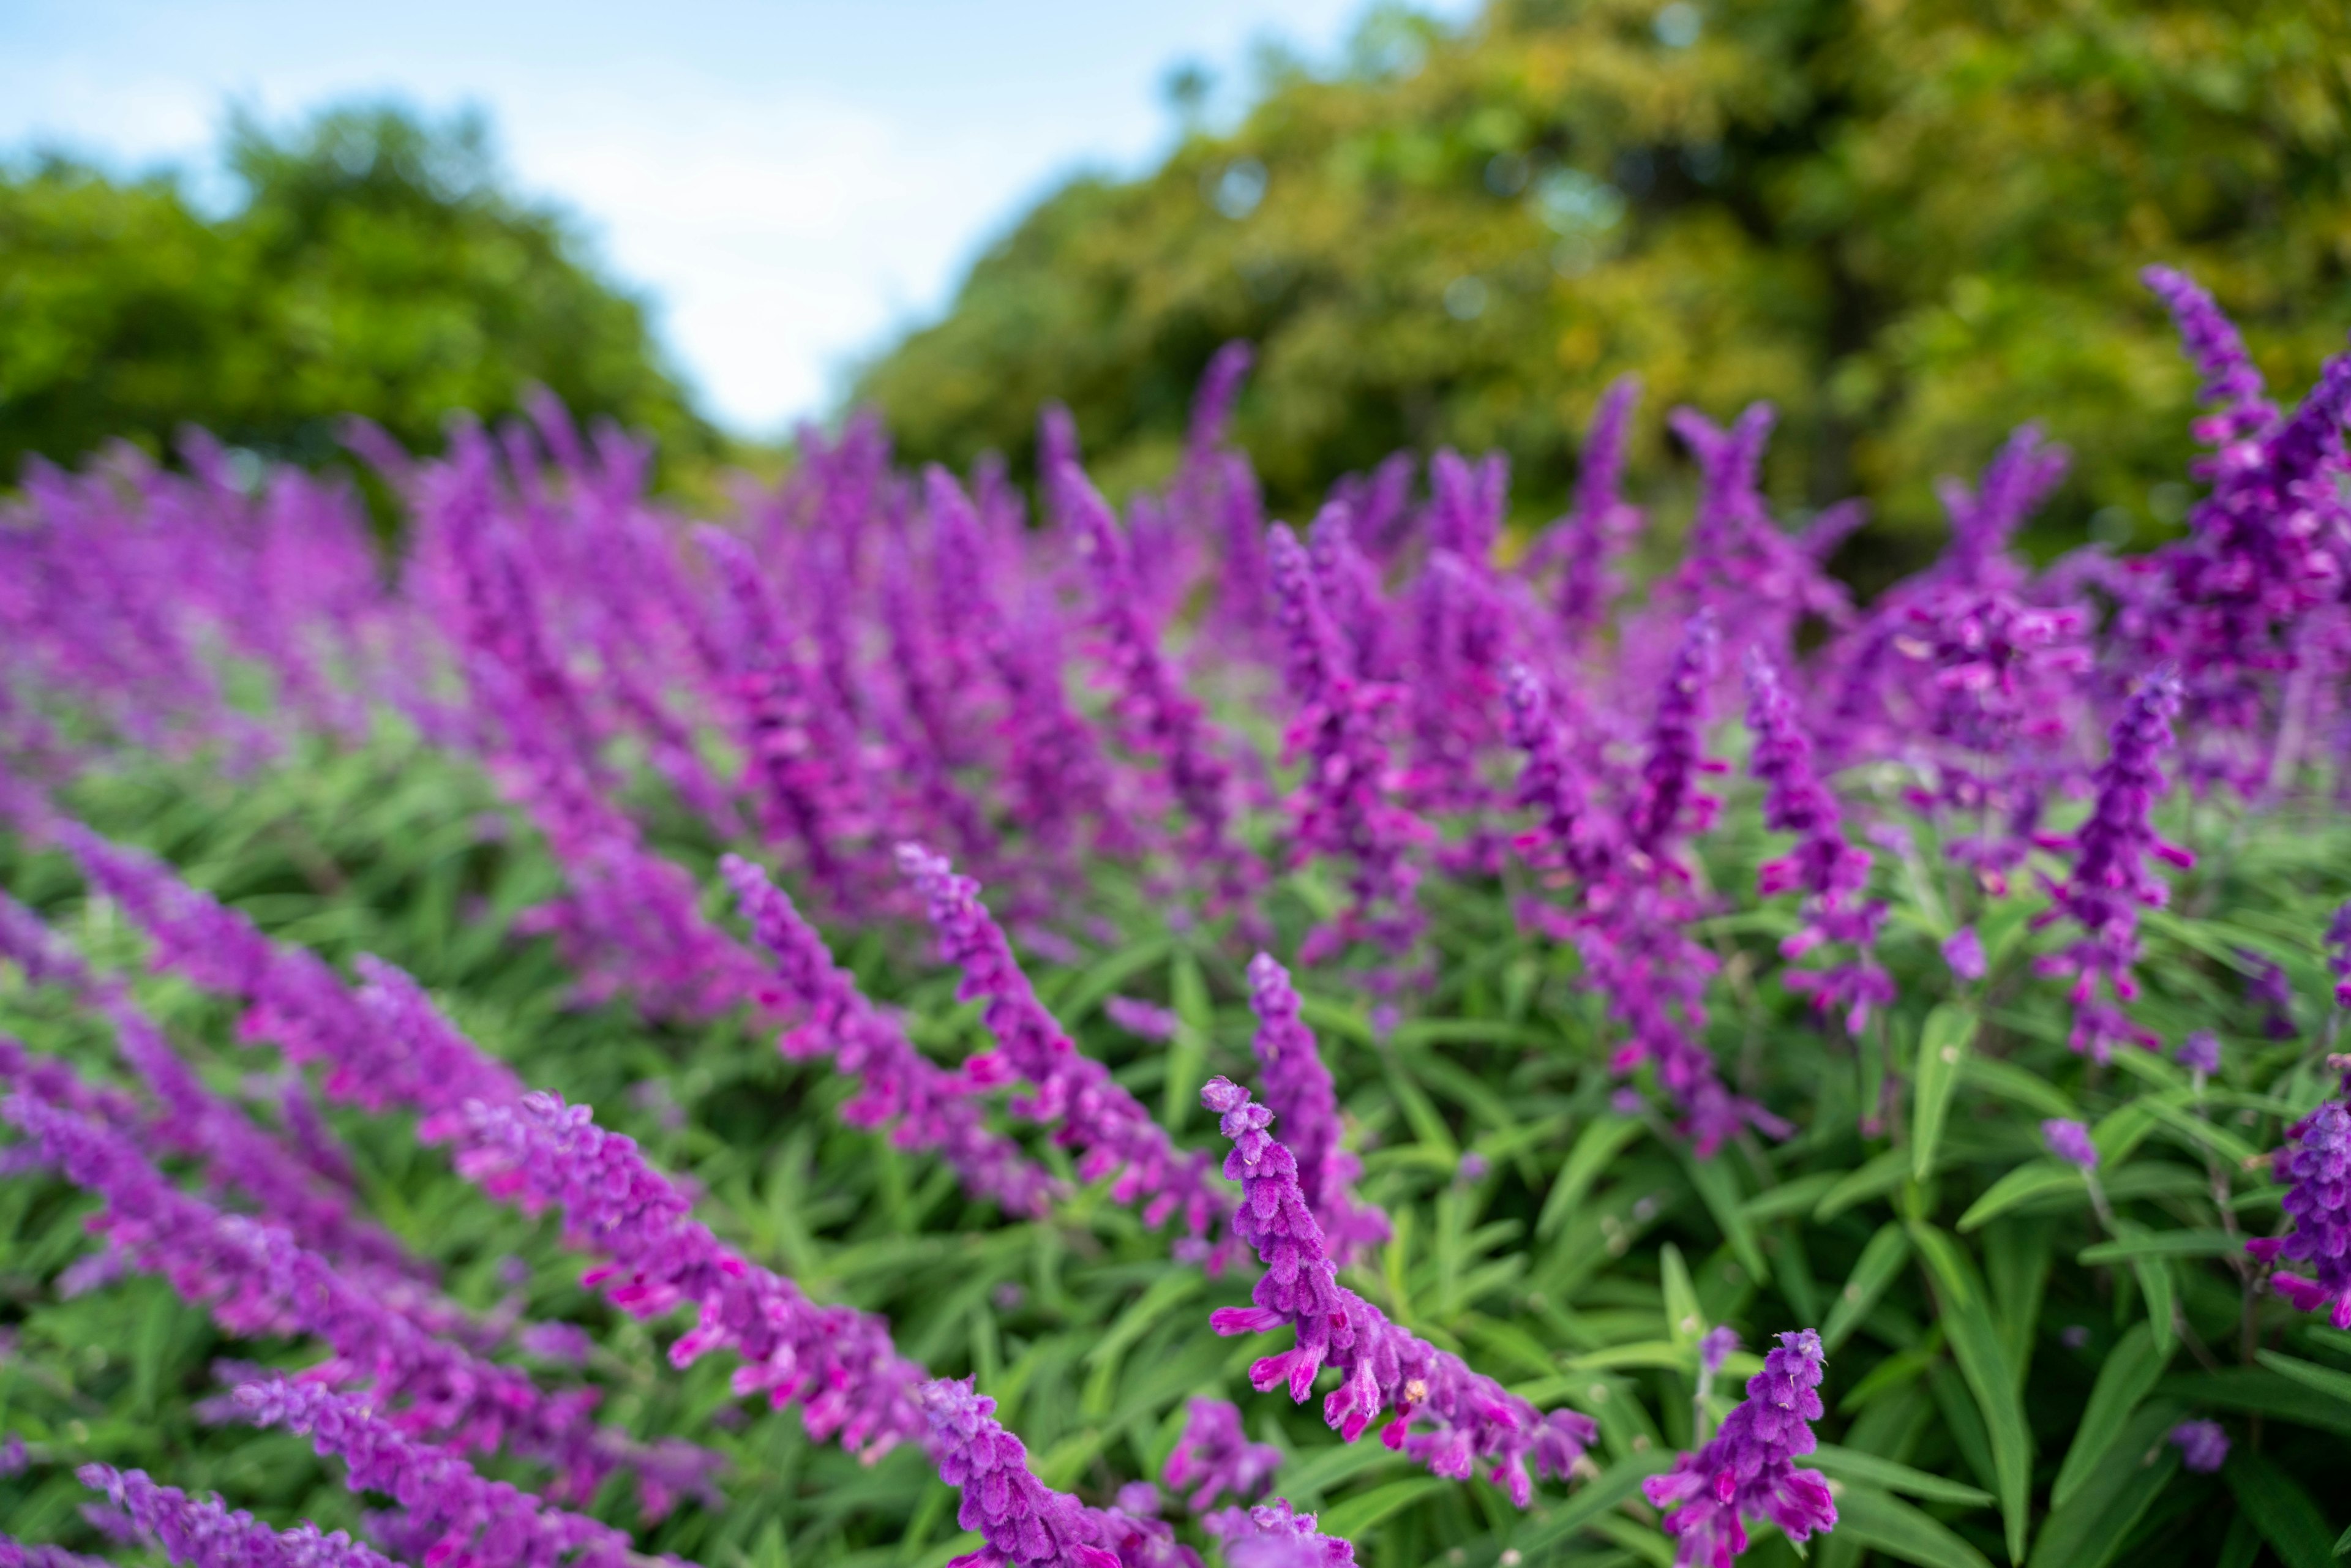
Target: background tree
(376,263)
(1903,224)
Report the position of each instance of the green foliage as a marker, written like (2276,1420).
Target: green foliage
(2001,1376)
(377,264)
(1904,224)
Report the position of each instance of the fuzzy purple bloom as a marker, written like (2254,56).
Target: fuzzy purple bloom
(201,1532)
(2203,1446)
(2338,954)
(2111,880)
(1299,1090)
(1213,1457)
(1274,1535)
(1747,1470)
(1073,1093)
(1963,952)
(19,1554)
(2317,1172)
(1144,1020)
(1462,1416)
(467,1519)
(2070,1142)
(2199,1052)
(1025,1523)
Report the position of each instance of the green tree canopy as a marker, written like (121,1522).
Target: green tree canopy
(377,264)
(1910,225)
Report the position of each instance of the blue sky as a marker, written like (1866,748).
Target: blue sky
(790,181)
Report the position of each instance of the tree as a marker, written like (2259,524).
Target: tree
(1904,224)
(378,263)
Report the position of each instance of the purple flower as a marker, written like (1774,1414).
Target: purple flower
(2111,880)
(17,1554)
(200,1532)
(897,1083)
(12,1455)
(2232,384)
(1462,1416)
(1669,803)
(1747,1470)
(1599,528)
(1023,1522)
(1213,1457)
(1272,1535)
(2203,1446)
(1343,807)
(1141,1020)
(2070,1142)
(2268,987)
(1716,1348)
(1075,1094)
(1963,951)
(1298,1088)
(2201,1051)
(448,1505)
(2317,1172)
(2338,954)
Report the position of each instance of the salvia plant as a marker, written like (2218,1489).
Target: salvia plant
(893,1026)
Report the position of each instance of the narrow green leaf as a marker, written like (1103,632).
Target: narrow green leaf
(2156,1283)
(1789,1197)
(1597,1144)
(1886,1524)
(1684,1321)
(2309,1374)
(2129,1373)
(2279,1510)
(2260,1390)
(2163,1244)
(1718,1189)
(1880,1261)
(1943,1042)
(2091,1525)
(2220,1140)
(1613,1487)
(1966,1314)
(1353,1516)
(2015,1085)
(1880,1176)
(2035,1179)
(1868,1469)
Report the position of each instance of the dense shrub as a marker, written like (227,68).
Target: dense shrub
(1917,1016)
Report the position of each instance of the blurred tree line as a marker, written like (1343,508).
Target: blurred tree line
(1911,223)
(377,263)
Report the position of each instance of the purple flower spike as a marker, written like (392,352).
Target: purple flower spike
(1075,1094)
(1747,1470)
(2338,954)
(1298,1089)
(1213,1457)
(1716,1348)
(2269,987)
(200,1532)
(897,1083)
(2317,1174)
(17,1554)
(2112,879)
(1273,1535)
(2070,1142)
(1025,1523)
(2232,385)
(446,1501)
(1670,804)
(1141,1020)
(1601,525)
(1963,951)
(2203,1446)
(1463,1416)
(2201,1051)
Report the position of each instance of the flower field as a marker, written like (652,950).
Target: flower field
(920,1020)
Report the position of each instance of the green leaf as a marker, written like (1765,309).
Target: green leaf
(1684,1321)
(1354,1515)
(1613,1486)
(2091,1525)
(1966,1314)
(1880,1261)
(1791,1196)
(2163,1244)
(2036,1179)
(1943,1042)
(2014,1083)
(2260,1390)
(2220,1140)
(1886,1524)
(2130,1371)
(1880,1176)
(2309,1374)
(1719,1190)
(2279,1510)
(2155,1279)
(1868,1469)
(1596,1146)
